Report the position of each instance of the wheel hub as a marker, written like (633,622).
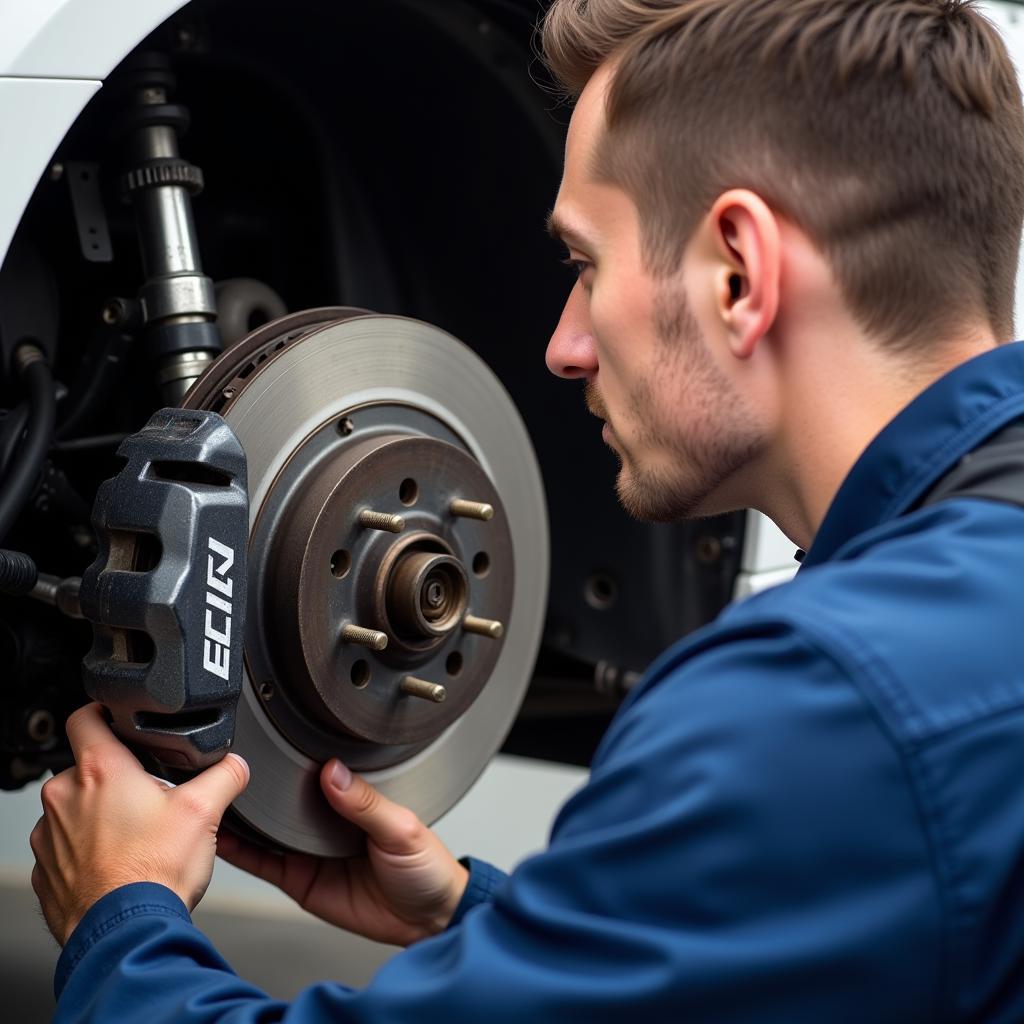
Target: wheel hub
(371,580)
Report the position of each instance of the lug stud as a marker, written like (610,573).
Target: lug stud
(371,638)
(381,521)
(413,687)
(471,510)
(483,627)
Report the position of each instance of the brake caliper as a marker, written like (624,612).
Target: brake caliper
(166,595)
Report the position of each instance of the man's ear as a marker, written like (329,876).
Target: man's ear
(745,233)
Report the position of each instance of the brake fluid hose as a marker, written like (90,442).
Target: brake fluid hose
(17,486)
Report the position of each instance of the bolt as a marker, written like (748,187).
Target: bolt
(381,521)
(483,627)
(345,426)
(56,171)
(115,312)
(413,687)
(601,592)
(40,725)
(435,594)
(26,354)
(471,510)
(371,638)
(267,691)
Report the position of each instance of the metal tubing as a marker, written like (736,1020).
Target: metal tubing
(167,234)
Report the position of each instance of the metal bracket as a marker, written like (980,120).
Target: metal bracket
(90,217)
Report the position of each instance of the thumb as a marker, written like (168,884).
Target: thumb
(218,785)
(393,828)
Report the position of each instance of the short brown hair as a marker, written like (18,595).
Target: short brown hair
(891,131)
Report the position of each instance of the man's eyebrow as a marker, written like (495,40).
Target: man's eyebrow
(562,232)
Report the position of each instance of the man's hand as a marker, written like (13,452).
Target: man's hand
(405,888)
(106,823)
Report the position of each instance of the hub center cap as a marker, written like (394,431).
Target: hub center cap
(427,594)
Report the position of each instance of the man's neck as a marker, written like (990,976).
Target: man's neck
(832,411)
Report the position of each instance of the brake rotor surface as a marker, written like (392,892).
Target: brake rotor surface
(398,565)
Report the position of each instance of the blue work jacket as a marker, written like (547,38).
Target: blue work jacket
(810,811)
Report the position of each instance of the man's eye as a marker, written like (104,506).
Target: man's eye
(580,266)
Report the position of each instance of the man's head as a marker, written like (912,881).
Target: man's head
(735,166)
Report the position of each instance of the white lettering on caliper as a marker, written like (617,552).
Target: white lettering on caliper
(217,645)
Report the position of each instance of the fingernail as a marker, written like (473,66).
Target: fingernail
(242,761)
(339,776)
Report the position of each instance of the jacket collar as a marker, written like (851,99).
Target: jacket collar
(926,440)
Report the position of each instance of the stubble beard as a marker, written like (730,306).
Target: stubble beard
(723,437)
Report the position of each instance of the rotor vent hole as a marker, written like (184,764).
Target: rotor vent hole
(360,674)
(481,564)
(453,664)
(409,492)
(341,564)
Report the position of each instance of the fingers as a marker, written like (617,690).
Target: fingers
(393,828)
(261,863)
(293,873)
(88,731)
(215,788)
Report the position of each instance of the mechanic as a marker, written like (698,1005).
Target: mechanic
(796,227)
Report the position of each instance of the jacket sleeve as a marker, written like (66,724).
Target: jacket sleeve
(748,849)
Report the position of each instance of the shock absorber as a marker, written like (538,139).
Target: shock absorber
(176,302)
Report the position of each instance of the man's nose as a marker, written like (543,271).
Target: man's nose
(571,352)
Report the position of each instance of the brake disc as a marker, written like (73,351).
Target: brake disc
(398,565)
